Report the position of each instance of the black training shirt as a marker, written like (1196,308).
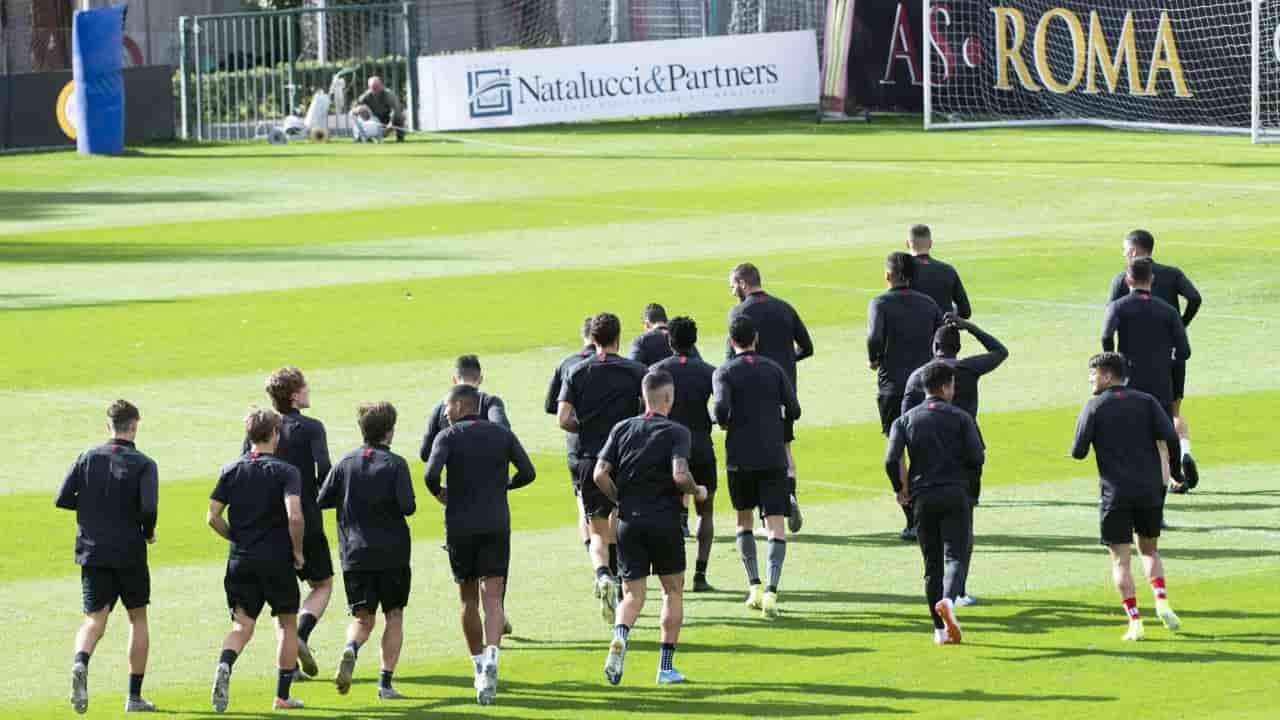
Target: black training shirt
(694,388)
(900,326)
(114,490)
(604,390)
(640,450)
(476,454)
(968,370)
(941,282)
(552,403)
(651,346)
(491,409)
(752,396)
(253,488)
(1168,284)
(943,443)
(373,493)
(1152,337)
(783,338)
(1123,426)
(304,445)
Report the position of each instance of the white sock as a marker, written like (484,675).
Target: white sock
(1186,446)
(478,662)
(950,604)
(939,635)
(491,654)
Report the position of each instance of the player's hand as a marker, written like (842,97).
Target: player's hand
(1177,487)
(904,498)
(873,364)
(700,493)
(298,561)
(151,540)
(443,497)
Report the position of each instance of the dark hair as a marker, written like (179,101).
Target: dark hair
(260,424)
(605,329)
(281,386)
(467,396)
(654,313)
(1141,270)
(1111,362)
(947,338)
(586,326)
(747,273)
(900,266)
(1142,240)
(937,375)
(467,368)
(682,334)
(376,420)
(122,415)
(920,235)
(742,331)
(656,380)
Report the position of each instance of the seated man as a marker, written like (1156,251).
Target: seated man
(364,126)
(384,105)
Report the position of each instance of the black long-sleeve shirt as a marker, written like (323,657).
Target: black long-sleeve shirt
(941,282)
(491,408)
(304,445)
(651,346)
(782,335)
(943,443)
(373,493)
(900,326)
(552,403)
(1123,426)
(476,454)
(254,488)
(114,490)
(604,390)
(694,388)
(752,397)
(1169,283)
(1152,337)
(968,371)
(641,450)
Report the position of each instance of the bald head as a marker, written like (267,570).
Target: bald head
(375,84)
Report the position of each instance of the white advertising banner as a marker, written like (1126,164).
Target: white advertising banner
(599,82)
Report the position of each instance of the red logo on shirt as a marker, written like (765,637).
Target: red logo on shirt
(933,406)
(1120,394)
(906,292)
(1145,297)
(368,452)
(924,261)
(115,448)
(684,360)
(603,356)
(253,455)
(750,359)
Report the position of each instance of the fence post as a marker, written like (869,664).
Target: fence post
(411,56)
(293,87)
(182,73)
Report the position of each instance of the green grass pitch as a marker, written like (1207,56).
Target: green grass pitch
(179,276)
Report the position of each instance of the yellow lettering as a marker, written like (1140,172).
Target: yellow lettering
(1077,48)
(1007,53)
(1164,56)
(1100,57)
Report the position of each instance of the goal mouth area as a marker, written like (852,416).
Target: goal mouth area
(1093,122)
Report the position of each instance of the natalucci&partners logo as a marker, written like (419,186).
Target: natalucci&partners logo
(494,91)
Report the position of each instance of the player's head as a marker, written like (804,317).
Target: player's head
(377,422)
(462,401)
(375,84)
(682,334)
(1140,273)
(1139,243)
(653,316)
(659,390)
(605,329)
(946,341)
(262,427)
(898,268)
(466,370)
(1107,369)
(939,380)
(742,333)
(586,328)
(122,419)
(920,239)
(744,279)
(288,390)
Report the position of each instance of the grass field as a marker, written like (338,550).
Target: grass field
(179,276)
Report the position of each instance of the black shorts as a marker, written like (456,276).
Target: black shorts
(1121,519)
(573,476)
(474,557)
(369,589)
(1179,379)
(764,489)
(704,474)
(102,586)
(594,502)
(317,562)
(890,409)
(650,542)
(251,583)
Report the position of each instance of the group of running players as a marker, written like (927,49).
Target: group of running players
(638,434)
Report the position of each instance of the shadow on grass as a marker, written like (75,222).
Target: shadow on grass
(34,205)
(40,253)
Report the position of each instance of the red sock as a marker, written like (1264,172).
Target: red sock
(1131,608)
(1157,587)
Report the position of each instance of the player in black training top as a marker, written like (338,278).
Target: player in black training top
(304,445)
(113,489)
(466,371)
(652,345)
(551,405)
(784,339)
(935,278)
(475,455)
(597,394)
(693,391)
(373,493)
(754,399)
(946,452)
(262,496)
(900,327)
(1132,437)
(644,468)
(946,346)
(1168,283)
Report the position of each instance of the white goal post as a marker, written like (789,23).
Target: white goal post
(1174,65)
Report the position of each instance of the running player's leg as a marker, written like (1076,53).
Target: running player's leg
(363,620)
(472,625)
(929,536)
(1117,526)
(1148,531)
(491,597)
(954,530)
(775,506)
(139,648)
(743,494)
(963,599)
(318,573)
(392,641)
(286,659)
(242,626)
(672,619)
(706,532)
(90,632)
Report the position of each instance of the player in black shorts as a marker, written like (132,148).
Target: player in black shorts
(373,493)
(1131,436)
(693,390)
(935,278)
(266,525)
(476,455)
(304,445)
(900,327)
(644,468)
(753,400)
(113,489)
(597,394)
(551,405)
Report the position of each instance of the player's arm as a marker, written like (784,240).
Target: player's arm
(566,414)
(435,466)
(330,489)
(1110,323)
(525,472)
(149,500)
(961,299)
(804,343)
(1188,291)
(875,335)
(914,393)
(996,353)
(1166,442)
(434,426)
(893,465)
(297,524)
(498,412)
(1119,288)
(320,452)
(68,497)
(722,408)
(216,520)
(405,499)
(1084,433)
(636,351)
(603,478)
(680,472)
(1181,346)
(790,403)
(552,400)
(974,451)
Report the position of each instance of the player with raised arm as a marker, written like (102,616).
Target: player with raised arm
(551,405)
(935,278)
(1131,436)
(1169,284)
(114,490)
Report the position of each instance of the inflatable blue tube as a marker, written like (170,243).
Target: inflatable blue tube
(97,37)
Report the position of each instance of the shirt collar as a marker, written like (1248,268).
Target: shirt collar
(118,441)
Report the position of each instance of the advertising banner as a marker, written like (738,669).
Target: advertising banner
(40,108)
